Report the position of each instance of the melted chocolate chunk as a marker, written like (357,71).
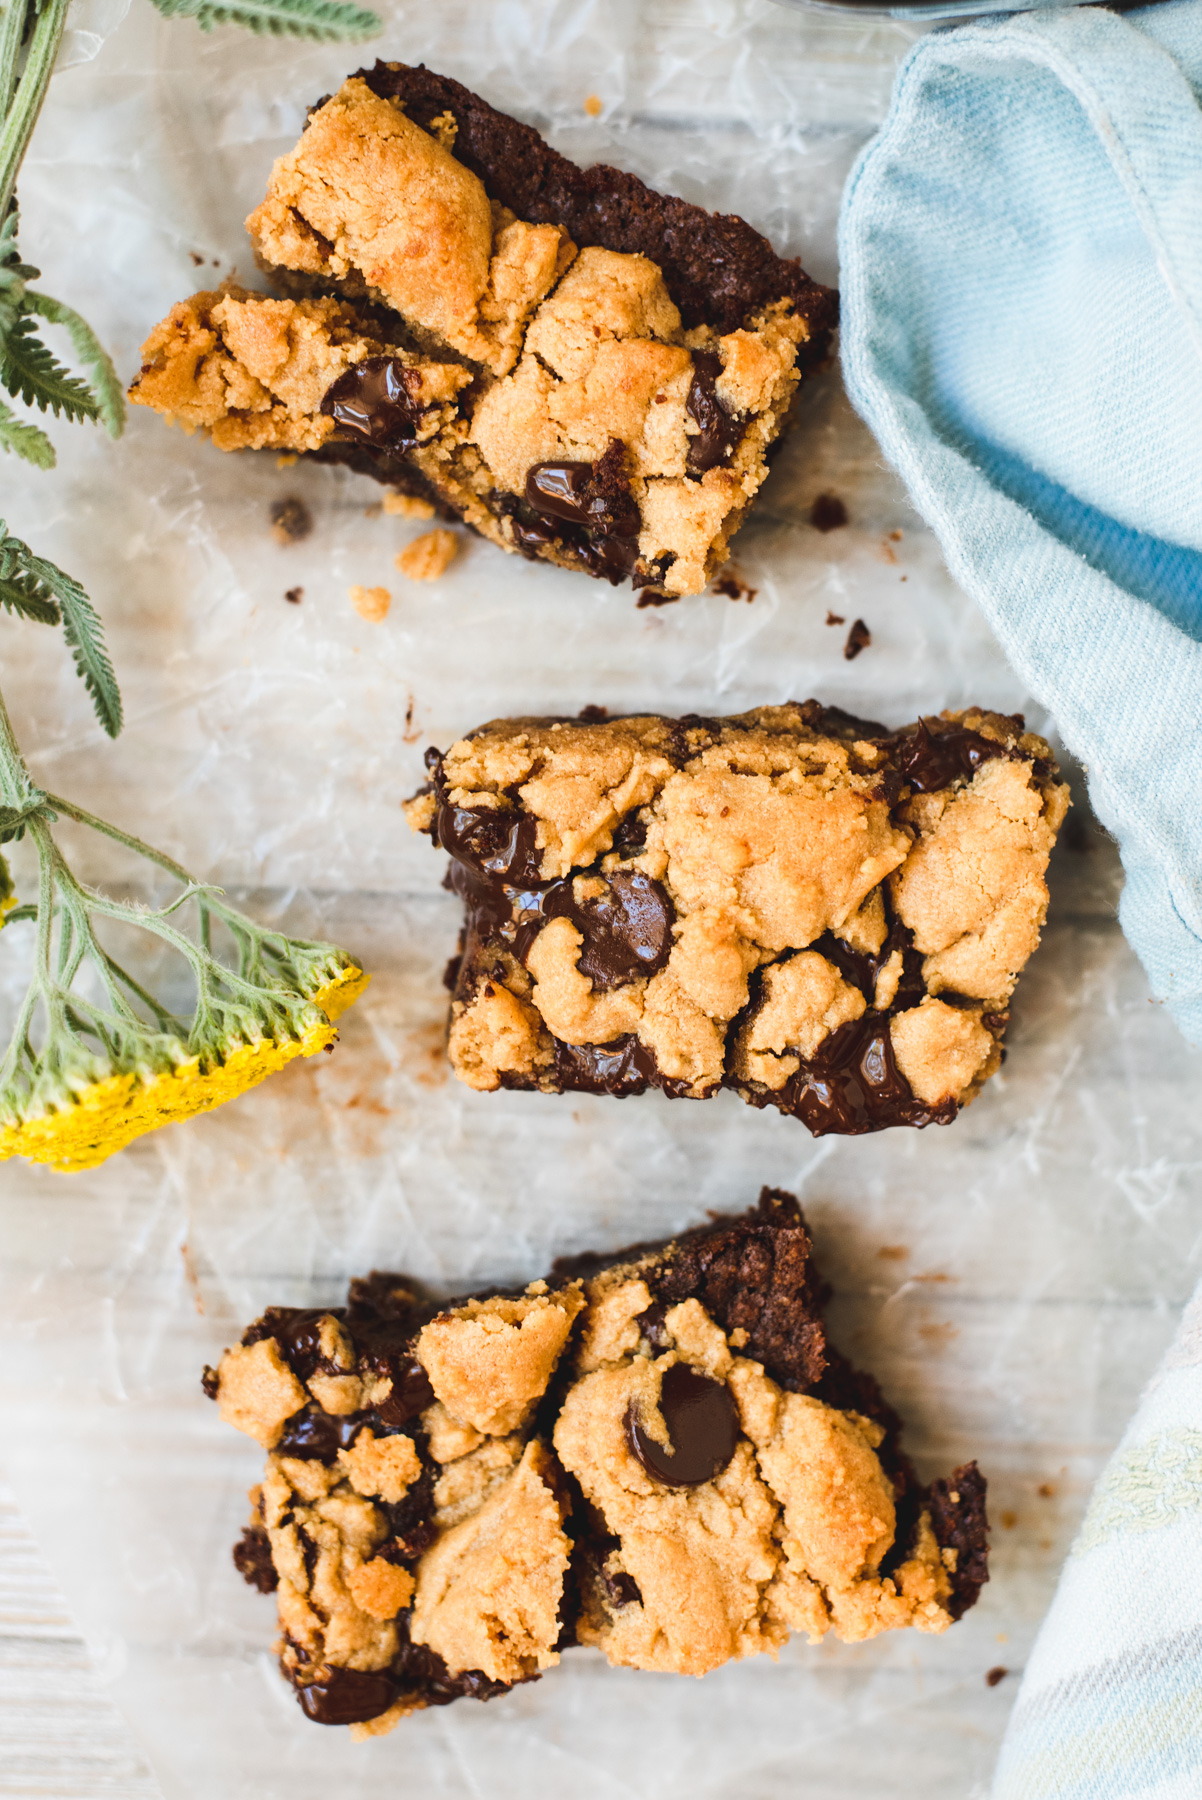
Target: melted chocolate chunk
(718,431)
(930,759)
(627,931)
(852,1085)
(411,1392)
(703,1426)
(374,402)
(347,1696)
(252,1559)
(594,513)
(619,1068)
(492,842)
(315,1436)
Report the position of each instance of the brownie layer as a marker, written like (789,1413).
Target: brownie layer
(619,1411)
(823,915)
(717,268)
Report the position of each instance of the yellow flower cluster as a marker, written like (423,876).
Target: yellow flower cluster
(109,1113)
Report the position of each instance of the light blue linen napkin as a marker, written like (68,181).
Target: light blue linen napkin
(1021,269)
(1021,251)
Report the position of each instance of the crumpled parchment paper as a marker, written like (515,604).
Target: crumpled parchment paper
(1011,1279)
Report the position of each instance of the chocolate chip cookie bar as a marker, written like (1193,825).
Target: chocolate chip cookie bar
(824,915)
(585,371)
(658,1454)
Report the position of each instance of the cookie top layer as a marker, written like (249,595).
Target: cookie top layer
(700,902)
(660,1455)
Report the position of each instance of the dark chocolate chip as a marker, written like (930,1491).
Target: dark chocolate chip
(374,401)
(347,1697)
(561,489)
(210,1381)
(717,430)
(703,1426)
(993,1676)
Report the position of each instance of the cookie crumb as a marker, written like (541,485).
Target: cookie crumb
(291,520)
(286,459)
(858,638)
(406,506)
(428,556)
(592,106)
(827,513)
(294,596)
(370,603)
(996,1675)
(834,618)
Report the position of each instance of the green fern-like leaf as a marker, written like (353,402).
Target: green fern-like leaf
(28,368)
(105,383)
(323,20)
(14,275)
(31,581)
(24,440)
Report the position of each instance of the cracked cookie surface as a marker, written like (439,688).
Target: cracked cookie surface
(828,917)
(659,1455)
(585,371)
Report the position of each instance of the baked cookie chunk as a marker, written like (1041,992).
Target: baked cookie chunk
(659,1454)
(824,915)
(584,370)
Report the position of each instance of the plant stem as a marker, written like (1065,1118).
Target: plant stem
(12,36)
(22,116)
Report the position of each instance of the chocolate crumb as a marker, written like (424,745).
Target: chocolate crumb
(196,260)
(649,597)
(294,596)
(996,1675)
(834,618)
(252,1559)
(827,513)
(291,520)
(734,587)
(858,638)
(209,1382)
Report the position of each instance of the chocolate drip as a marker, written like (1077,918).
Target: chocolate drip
(703,1426)
(619,1068)
(375,402)
(347,1696)
(717,430)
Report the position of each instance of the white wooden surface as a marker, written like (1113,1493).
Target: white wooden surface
(61,1738)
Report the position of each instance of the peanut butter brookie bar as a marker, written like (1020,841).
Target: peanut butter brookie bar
(659,1454)
(584,370)
(823,915)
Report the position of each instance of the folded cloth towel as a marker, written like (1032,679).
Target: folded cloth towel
(1021,251)
(1111,1703)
